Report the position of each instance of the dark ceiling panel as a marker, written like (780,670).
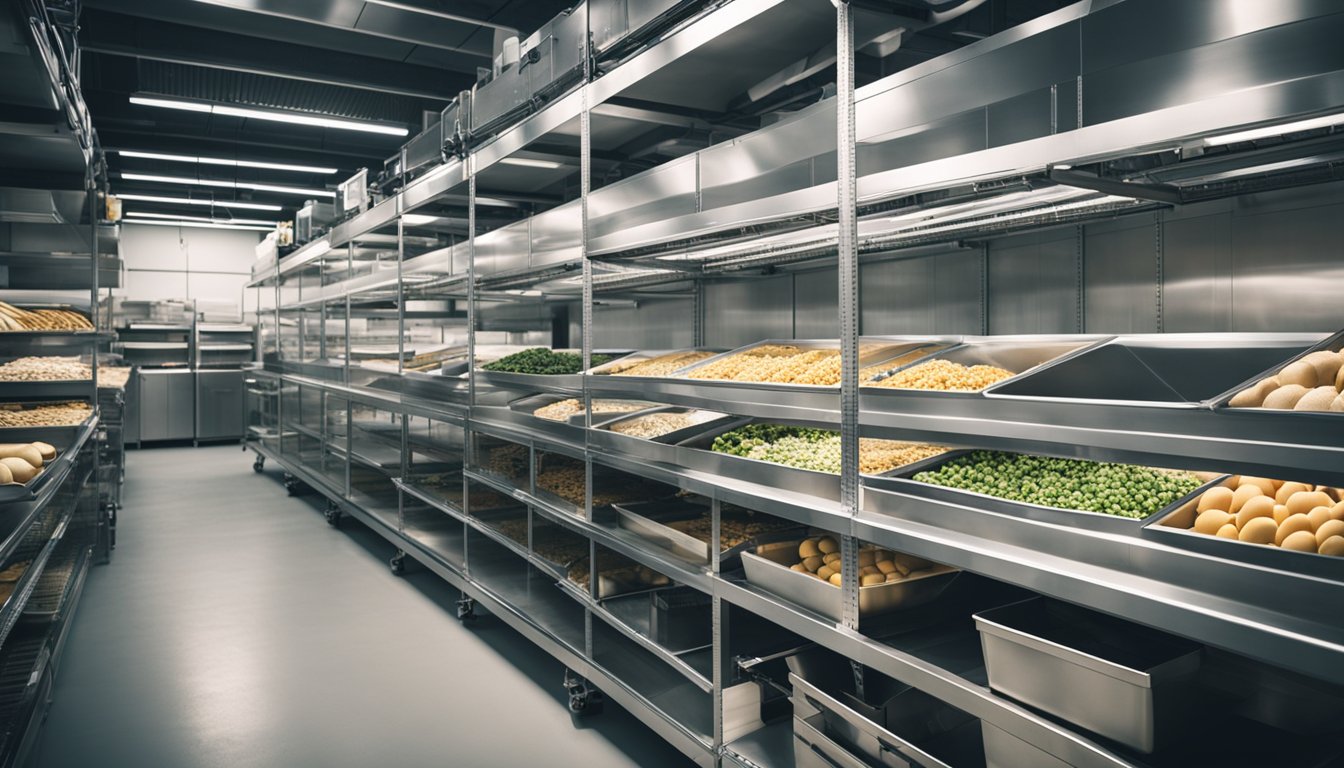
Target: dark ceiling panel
(426,29)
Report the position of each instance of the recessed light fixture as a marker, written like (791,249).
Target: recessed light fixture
(296,118)
(1268,131)
(225,161)
(200,201)
(198,225)
(206,219)
(307,192)
(528,162)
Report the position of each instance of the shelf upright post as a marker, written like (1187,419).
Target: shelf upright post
(401,363)
(848,306)
(468,435)
(585,189)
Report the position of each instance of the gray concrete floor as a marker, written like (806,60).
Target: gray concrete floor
(235,628)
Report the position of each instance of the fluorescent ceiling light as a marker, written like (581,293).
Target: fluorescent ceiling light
(229,184)
(296,118)
(199,201)
(528,162)
(207,219)
(418,219)
(1275,130)
(201,225)
(225,161)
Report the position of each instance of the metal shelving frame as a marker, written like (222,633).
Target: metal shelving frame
(1223,603)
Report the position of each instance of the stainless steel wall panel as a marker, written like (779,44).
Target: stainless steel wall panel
(743,311)
(1288,269)
(1033,284)
(1120,277)
(948,137)
(1197,273)
(928,295)
(556,235)
(660,193)
(659,324)
(1267,56)
(815,311)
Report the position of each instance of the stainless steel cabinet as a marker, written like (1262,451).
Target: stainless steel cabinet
(167,405)
(219,405)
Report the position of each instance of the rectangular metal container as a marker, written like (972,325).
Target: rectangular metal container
(1004,750)
(531,382)
(60,438)
(1173,527)
(701,421)
(611,367)
(679,618)
(1335,343)
(872,351)
(902,481)
(649,520)
(1019,354)
(1123,681)
(770,571)
(1156,370)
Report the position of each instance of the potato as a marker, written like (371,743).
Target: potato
(1339,377)
(826,572)
(1288,489)
(808,549)
(827,545)
(1305,501)
(886,566)
(877,578)
(1260,506)
(1254,395)
(1337,511)
(1209,521)
(1337,405)
(1327,365)
(1317,517)
(1333,546)
(1318,399)
(799,567)
(896,576)
(1266,486)
(21,469)
(1228,531)
(866,558)
(6,477)
(1329,528)
(47,450)
(24,451)
(813,563)
(1294,524)
(1242,495)
(1261,530)
(868,570)
(1215,498)
(1301,541)
(1285,397)
(1300,373)
(1281,513)
(836,580)
(882,555)
(833,557)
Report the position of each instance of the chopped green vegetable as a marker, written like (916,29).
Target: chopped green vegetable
(542,361)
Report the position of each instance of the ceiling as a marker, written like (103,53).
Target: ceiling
(390,61)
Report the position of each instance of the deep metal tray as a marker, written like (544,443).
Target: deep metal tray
(902,481)
(1156,370)
(608,368)
(1334,343)
(695,454)
(1124,681)
(879,351)
(1020,354)
(771,572)
(533,382)
(872,740)
(61,438)
(708,420)
(649,520)
(1173,528)
(1004,750)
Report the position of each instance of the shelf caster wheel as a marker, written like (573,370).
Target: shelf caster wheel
(466,609)
(259,464)
(583,698)
(292,484)
(333,515)
(398,564)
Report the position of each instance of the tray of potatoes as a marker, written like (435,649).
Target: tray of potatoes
(22,466)
(1275,523)
(808,573)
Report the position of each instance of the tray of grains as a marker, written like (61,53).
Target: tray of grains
(616,575)
(817,450)
(46,369)
(802,363)
(685,527)
(38,415)
(666,425)
(655,364)
(571,409)
(977,364)
(562,477)
(113,376)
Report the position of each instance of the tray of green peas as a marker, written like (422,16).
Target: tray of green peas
(1074,492)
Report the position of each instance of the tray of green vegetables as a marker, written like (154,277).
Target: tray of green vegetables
(543,369)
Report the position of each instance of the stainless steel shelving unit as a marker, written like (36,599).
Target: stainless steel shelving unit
(1025,150)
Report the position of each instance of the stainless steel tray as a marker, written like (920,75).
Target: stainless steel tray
(533,382)
(1156,370)
(1334,343)
(695,454)
(30,490)
(878,350)
(771,572)
(902,481)
(1004,750)
(649,520)
(816,708)
(1172,527)
(1123,681)
(702,421)
(607,368)
(1020,354)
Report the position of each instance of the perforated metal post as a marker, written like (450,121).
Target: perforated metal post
(1157,253)
(849,305)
